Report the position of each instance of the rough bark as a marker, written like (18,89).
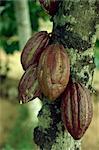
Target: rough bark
(74,27)
(23,21)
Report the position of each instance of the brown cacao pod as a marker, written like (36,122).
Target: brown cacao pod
(76,109)
(53,71)
(28,85)
(33,49)
(50,5)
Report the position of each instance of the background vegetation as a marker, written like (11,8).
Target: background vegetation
(17,121)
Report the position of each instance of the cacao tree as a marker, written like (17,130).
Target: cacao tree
(66,108)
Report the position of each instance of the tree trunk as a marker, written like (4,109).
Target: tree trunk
(23,21)
(74,27)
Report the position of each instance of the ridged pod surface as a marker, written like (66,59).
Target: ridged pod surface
(33,49)
(53,71)
(50,6)
(28,85)
(76,109)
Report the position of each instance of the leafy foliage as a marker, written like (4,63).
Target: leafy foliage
(8,25)
(36,12)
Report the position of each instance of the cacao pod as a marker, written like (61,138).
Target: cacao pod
(76,109)
(50,6)
(53,71)
(28,85)
(33,49)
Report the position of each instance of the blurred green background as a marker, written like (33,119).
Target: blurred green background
(18,20)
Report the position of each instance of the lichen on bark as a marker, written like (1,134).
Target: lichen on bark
(74,26)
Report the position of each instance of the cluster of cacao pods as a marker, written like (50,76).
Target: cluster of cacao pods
(28,86)
(46,68)
(47,72)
